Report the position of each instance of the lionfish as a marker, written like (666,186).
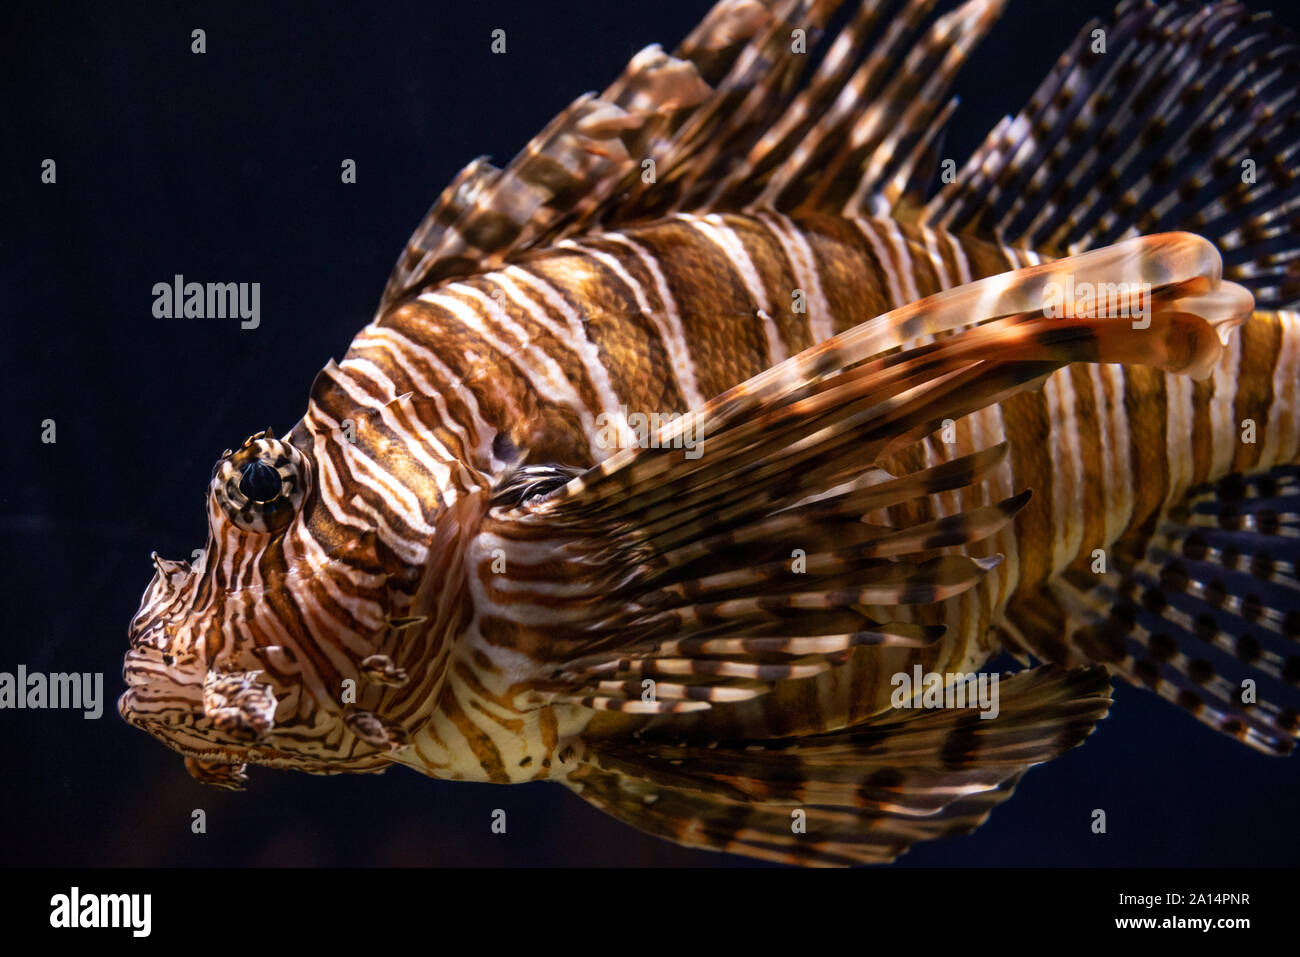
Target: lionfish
(677,442)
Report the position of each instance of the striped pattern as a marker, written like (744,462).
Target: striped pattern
(414,594)
(667,312)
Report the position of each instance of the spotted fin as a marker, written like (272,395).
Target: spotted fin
(1206,614)
(653,565)
(1173,116)
(848,135)
(563,176)
(861,795)
(842,124)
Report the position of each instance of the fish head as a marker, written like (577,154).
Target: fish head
(214,669)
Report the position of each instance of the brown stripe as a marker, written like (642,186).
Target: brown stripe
(1030,429)
(627,342)
(505,397)
(986,259)
(924,273)
(853,277)
(1043,623)
(796,327)
(1145,407)
(778,279)
(1088,424)
(726,341)
(1261,350)
(489,758)
(561,350)
(549,731)
(1202,430)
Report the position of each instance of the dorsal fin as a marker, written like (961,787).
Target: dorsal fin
(1180,116)
(563,176)
(755,108)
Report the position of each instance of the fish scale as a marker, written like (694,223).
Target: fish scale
(483,564)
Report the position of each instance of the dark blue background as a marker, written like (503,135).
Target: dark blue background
(226,167)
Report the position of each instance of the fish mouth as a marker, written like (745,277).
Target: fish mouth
(181,732)
(184,741)
(184,735)
(183,738)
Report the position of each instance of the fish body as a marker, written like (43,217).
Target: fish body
(548,516)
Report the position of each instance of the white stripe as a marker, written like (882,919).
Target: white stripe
(519,356)
(964,274)
(939,502)
(899,242)
(897,297)
(229,547)
(668,324)
(369,614)
(1001,485)
(576,336)
(1291,378)
(933,253)
(312,611)
(1073,538)
(1283,428)
(305,665)
(1066,506)
(981,496)
(1120,503)
(803,264)
(715,229)
(248,578)
(410,549)
(563,391)
(1107,474)
(403,349)
(329,481)
(417,444)
(1224,434)
(397,498)
(1178,431)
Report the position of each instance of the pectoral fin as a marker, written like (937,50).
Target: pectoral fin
(732,553)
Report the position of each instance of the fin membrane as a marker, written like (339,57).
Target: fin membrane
(1177,116)
(851,134)
(861,795)
(1207,614)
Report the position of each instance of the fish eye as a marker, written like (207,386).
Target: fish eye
(261,486)
(260,482)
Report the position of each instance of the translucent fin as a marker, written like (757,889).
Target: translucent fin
(563,176)
(852,134)
(1177,116)
(861,795)
(1207,614)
